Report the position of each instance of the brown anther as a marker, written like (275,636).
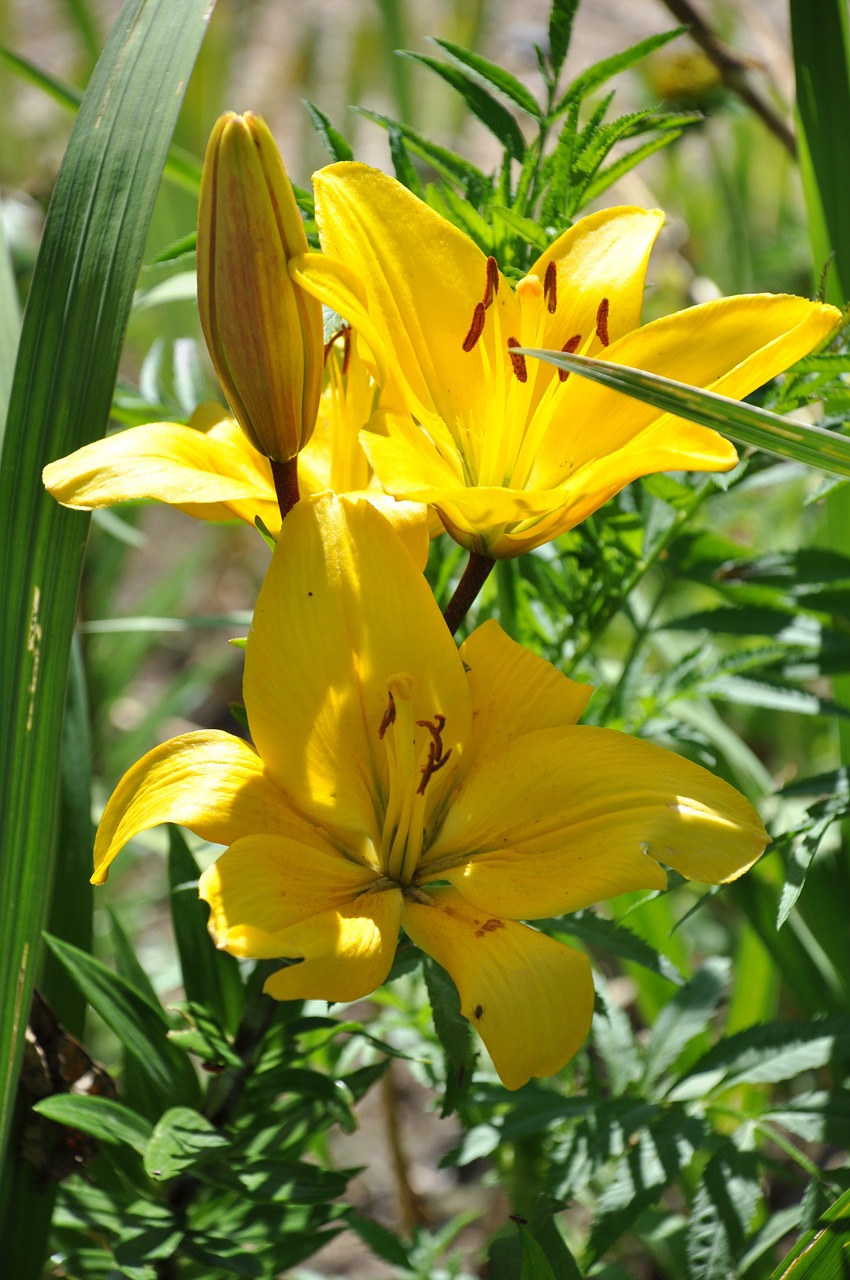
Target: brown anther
(389,717)
(491,288)
(476,328)
(517,361)
(569,347)
(602,322)
(436,758)
(550,288)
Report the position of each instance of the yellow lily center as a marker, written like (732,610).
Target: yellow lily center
(520,410)
(409,772)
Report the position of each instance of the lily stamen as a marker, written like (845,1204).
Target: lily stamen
(491,288)
(550,288)
(572,344)
(436,758)
(517,361)
(476,328)
(388,717)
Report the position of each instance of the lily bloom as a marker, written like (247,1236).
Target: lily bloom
(396,782)
(510,451)
(209,469)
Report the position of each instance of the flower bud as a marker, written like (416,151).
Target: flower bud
(263,332)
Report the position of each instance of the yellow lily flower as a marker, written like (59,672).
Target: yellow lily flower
(511,452)
(398,782)
(209,469)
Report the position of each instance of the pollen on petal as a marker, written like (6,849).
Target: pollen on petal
(602,322)
(517,361)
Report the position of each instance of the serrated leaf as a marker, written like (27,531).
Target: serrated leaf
(685,1017)
(183,1139)
(292,1182)
(749,692)
(595,75)
(338,147)
(723,1207)
(818,1116)
(743,423)
(560,30)
(101,1117)
(613,936)
(613,1036)
(218,1254)
(495,75)
(140,1027)
(482,104)
(445,162)
(767,1054)
(454,1033)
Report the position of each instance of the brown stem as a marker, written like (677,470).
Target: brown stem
(285,475)
(733,71)
(473,579)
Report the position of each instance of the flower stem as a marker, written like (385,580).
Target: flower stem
(473,579)
(285,476)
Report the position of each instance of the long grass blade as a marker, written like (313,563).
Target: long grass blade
(743,423)
(71,339)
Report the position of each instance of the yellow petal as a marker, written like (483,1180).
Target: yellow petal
(342,610)
(346,953)
(421,275)
(513,691)
(210,782)
(529,997)
(564,817)
(162,460)
(732,346)
(603,256)
(263,885)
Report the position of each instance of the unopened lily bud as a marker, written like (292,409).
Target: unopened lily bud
(263,332)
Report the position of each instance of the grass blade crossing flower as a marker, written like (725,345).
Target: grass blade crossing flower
(398,782)
(510,452)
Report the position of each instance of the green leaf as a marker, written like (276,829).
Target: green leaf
(338,147)
(743,423)
(211,978)
(445,162)
(494,75)
(597,74)
(10,324)
(182,1140)
(767,1054)
(454,1033)
(71,340)
(141,1028)
(380,1240)
(613,936)
(101,1117)
(723,1208)
(560,30)
(823,1252)
(685,1017)
(535,1264)
(482,104)
(216,1254)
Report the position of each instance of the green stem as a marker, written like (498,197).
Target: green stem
(472,580)
(285,476)
(613,602)
(506,588)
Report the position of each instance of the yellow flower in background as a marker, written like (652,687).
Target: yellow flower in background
(209,469)
(511,452)
(264,333)
(396,782)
